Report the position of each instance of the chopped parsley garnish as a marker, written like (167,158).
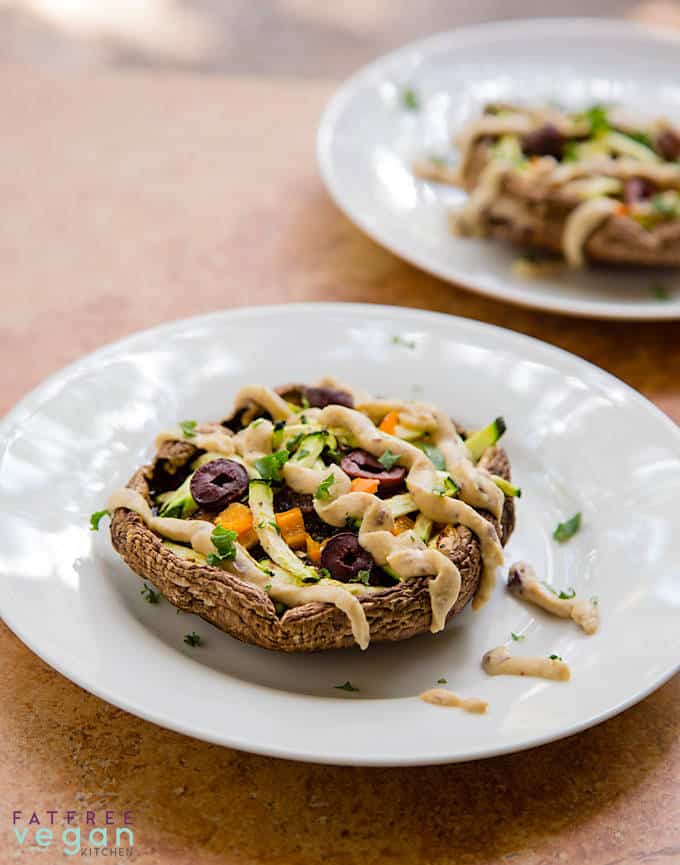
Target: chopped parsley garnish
(435,456)
(257,422)
(556,657)
(96,518)
(442,681)
(223,539)
(275,526)
(403,341)
(516,637)
(564,531)
(598,119)
(188,428)
(347,686)
(149,595)
(279,425)
(192,639)
(595,600)
(269,467)
(388,459)
(660,292)
(280,608)
(362,577)
(268,588)
(410,99)
(352,522)
(324,572)
(323,490)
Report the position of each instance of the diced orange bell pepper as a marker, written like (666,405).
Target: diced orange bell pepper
(389,423)
(313,549)
(239,519)
(364,485)
(292,527)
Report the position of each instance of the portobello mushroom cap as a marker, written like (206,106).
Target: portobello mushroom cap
(246,612)
(527,215)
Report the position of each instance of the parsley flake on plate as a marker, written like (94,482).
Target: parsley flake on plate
(566,530)
(96,518)
(403,341)
(347,686)
(149,595)
(410,99)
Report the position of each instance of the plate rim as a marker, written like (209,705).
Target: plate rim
(579,308)
(32,400)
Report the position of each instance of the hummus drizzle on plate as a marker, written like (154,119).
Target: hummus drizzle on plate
(499,662)
(522,583)
(442,697)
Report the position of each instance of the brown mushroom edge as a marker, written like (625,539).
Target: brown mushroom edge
(618,240)
(247,613)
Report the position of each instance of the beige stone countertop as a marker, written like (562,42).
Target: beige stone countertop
(130,200)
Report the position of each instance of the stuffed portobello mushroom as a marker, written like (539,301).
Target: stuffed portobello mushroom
(318,517)
(592,186)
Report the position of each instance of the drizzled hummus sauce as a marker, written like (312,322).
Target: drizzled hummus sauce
(405,554)
(522,583)
(499,662)
(442,697)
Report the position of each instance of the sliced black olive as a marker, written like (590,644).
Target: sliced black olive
(636,189)
(668,144)
(545,141)
(218,483)
(320,397)
(345,558)
(361,464)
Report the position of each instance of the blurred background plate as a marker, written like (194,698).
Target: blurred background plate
(368,139)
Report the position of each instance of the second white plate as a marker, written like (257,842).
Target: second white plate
(368,140)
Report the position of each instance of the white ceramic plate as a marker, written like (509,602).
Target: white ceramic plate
(578,438)
(367,143)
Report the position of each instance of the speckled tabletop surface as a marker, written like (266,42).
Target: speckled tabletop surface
(130,200)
